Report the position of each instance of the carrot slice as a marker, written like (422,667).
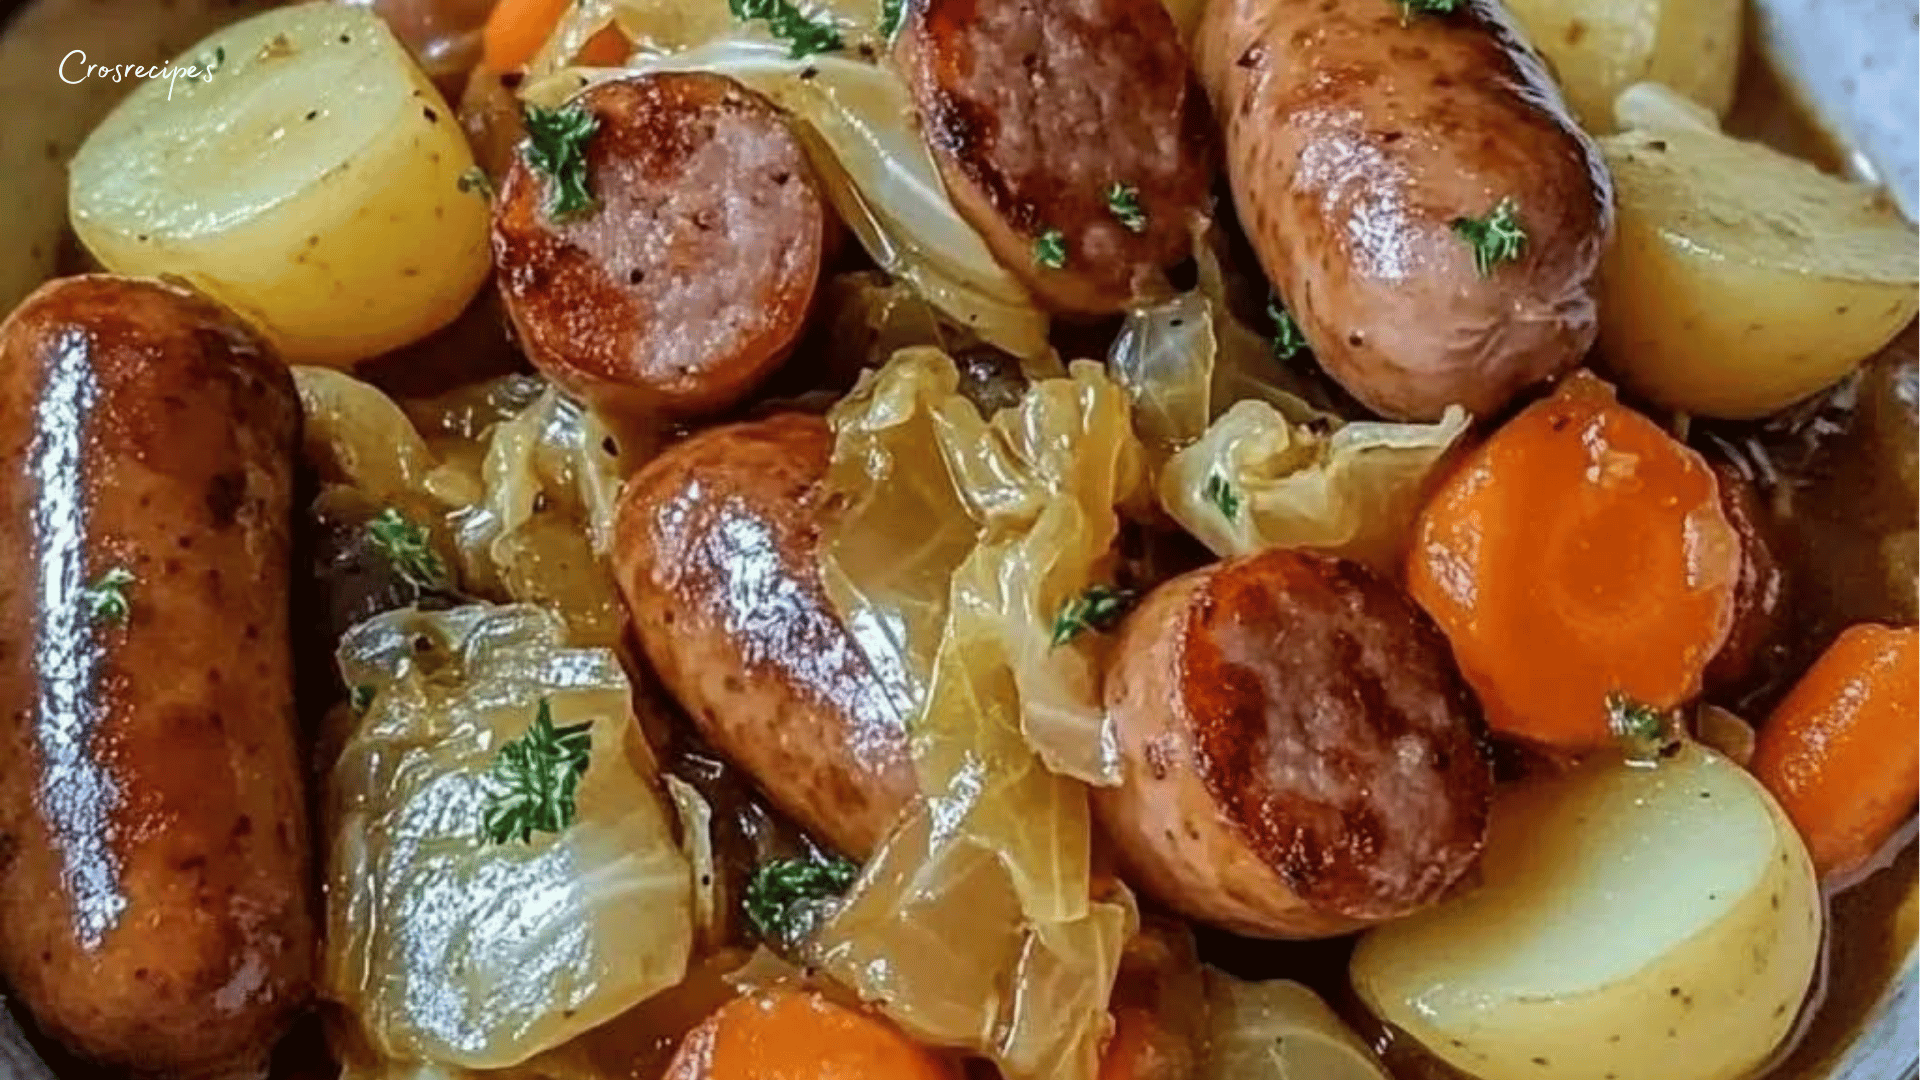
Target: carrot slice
(517,28)
(1842,751)
(1577,558)
(783,1034)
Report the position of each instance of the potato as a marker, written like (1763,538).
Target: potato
(1741,280)
(1599,47)
(313,183)
(1633,922)
(1281,1030)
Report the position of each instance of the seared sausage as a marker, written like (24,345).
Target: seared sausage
(1357,136)
(1035,111)
(154,879)
(1300,756)
(714,549)
(1758,594)
(690,278)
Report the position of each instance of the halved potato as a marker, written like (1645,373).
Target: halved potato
(1742,280)
(1633,922)
(1599,47)
(1281,1030)
(313,183)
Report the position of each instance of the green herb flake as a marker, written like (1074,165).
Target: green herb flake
(1099,609)
(1219,491)
(1050,249)
(106,598)
(890,12)
(1495,239)
(1123,200)
(1646,733)
(475,182)
(1288,341)
(408,547)
(556,148)
(1410,8)
(804,35)
(361,699)
(781,892)
(533,780)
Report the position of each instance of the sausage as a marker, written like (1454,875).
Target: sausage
(1300,756)
(155,905)
(1035,109)
(1758,593)
(714,549)
(1356,136)
(691,278)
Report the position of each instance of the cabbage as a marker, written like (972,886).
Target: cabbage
(447,949)
(975,924)
(696,839)
(1281,1030)
(863,138)
(1346,489)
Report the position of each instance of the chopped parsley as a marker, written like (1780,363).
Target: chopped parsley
(890,12)
(474,181)
(533,780)
(804,36)
(1495,239)
(408,548)
(1124,202)
(361,699)
(1288,341)
(556,148)
(1646,733)
(782,895)
(106,598)
(1050,249)
(1219,491)
(1410,8)
(1099,609)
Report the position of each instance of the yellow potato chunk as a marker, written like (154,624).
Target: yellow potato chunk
(1598,48)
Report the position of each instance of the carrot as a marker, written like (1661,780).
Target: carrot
(1842,752)
(517,28)
(1579,563)
(783,1034)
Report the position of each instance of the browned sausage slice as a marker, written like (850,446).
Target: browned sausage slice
(1357,135)
(1036,109)
(1301,758)
(154,905)
(691,278)
(714,549)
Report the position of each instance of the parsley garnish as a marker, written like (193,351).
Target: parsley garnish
(1643,731)
(1495,239)
(556,147)
(534,778)
(1100,609)
(890,12)
(786,21)
(474,181)
(1410,8)
(361,699)
(408,549)
(1220,493)
(106,598)
(1124,201)
(1050,249)
(781,891)
(1288,341)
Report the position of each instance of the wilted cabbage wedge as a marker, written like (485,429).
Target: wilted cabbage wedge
(452,949)
(1742,280)
(313,183)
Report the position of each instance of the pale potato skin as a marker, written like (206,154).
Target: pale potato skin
(155,904)
(1354,141)
(714,549)
(1598,50)
(1268,816)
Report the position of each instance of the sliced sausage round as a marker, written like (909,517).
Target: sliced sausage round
(155,905)
(689,278)
(1364,142)
(1068,122)
(1301,757)
(714,548)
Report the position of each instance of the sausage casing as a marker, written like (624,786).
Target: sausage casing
(155,907)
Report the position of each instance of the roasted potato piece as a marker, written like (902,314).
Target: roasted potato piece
(1600,47)
(1742,280)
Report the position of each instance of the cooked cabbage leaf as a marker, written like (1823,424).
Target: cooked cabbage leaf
(975,925)
(448,949)
(1281,1030)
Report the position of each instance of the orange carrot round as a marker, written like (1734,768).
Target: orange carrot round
(1578,557)
(783,1034)
(1842,752)
(517,28)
